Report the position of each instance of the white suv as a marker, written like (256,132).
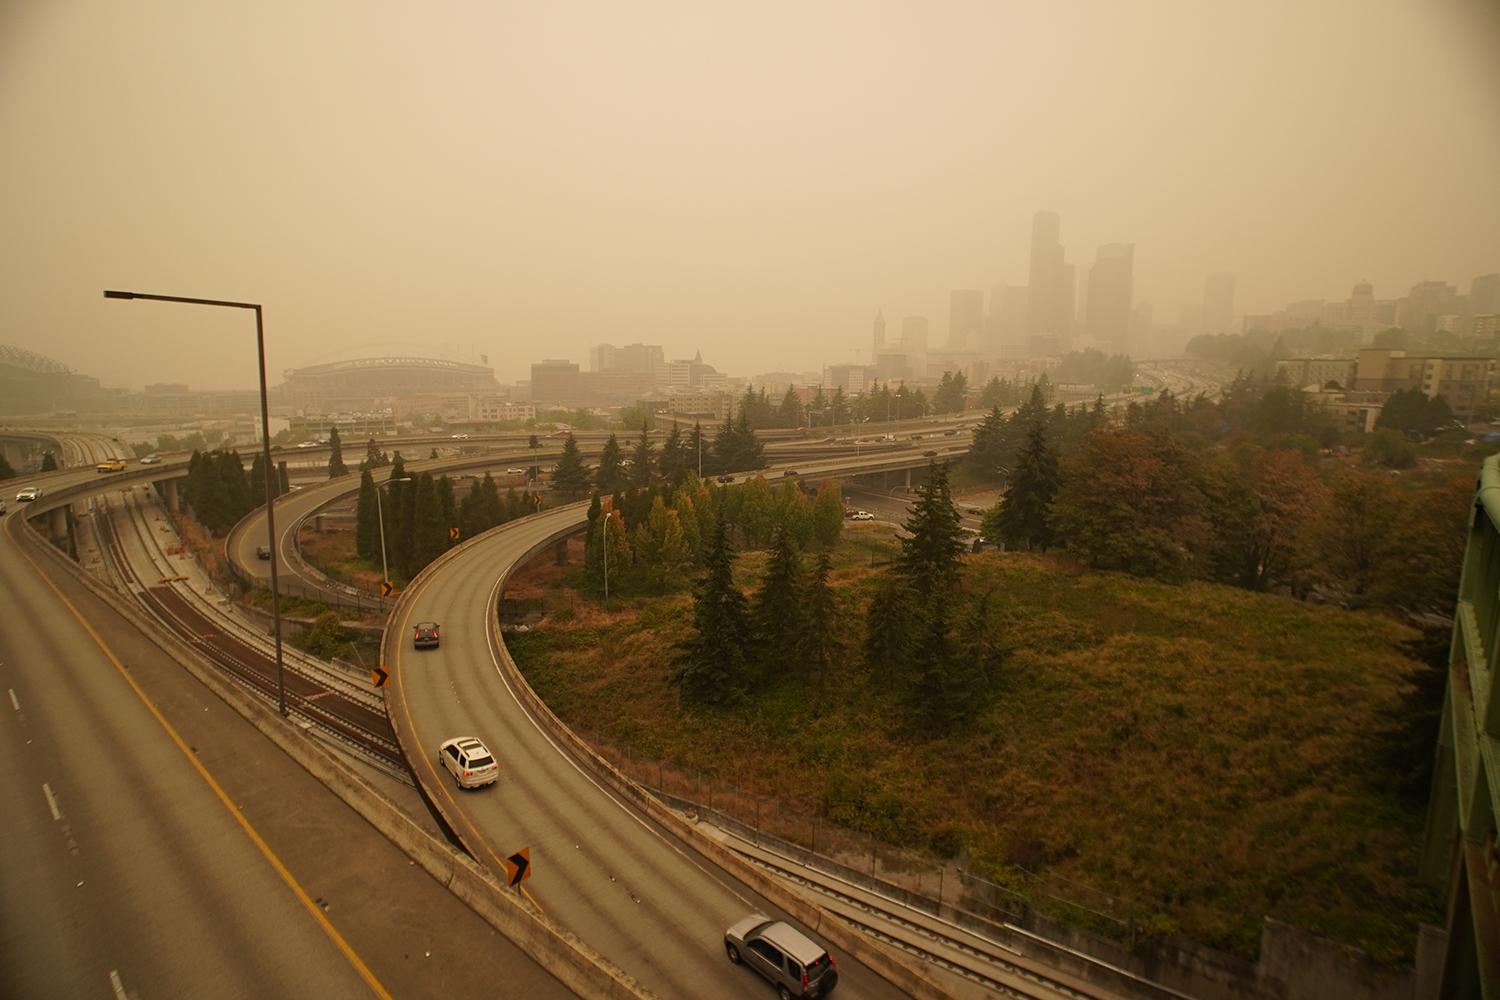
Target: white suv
(469,761)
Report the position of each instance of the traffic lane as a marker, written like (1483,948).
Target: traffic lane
(147,875)
(418,939)
(621,883)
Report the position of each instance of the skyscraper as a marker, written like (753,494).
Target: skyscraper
(914,336)
(879,331)
(1218,303)
(1111,287)
(965,319)
(1050,306)
(1484,295)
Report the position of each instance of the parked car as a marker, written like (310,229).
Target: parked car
(515,472)
(29,494)
(469,761)
(794,963)
(425,635)
(263,552)
(862,515)
(726,478)
(151,460)
(111,465)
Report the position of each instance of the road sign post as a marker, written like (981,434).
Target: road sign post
(518,867)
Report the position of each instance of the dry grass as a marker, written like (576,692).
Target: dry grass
(1203,751)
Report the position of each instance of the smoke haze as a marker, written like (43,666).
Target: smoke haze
(527,180)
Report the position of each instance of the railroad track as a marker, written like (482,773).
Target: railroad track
(329,706)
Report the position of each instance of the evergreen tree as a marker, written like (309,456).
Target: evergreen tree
(789,413)
(236,486)
(777,610)
(693,456)
(937,701)
(757,511)
(374,457)
(6,471)
(448,504)
(284,485)
(49,462)
(336,466)
(429,534)
(819,644)
(710,662)
(490,505)
(988,455)
(929,556)
(794,513)
(670,464)
(643,458)
(1021,518)
(828,513)
(210,497)
(610,475)
(367,519)
(257,481)
(570,475)
(891,626)
(952,390)
(593,542)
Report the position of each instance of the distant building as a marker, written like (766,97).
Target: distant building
(1485,327)
(914,335)
(630,358)
(853,379)
(491,410)
(351,386)
(556,381)
(1352,412)
(1050,304)
(965,320)
(1462,381)
(1319,371)
(1111,290)
(1426,301)
(1218,303)
(879,331)
(1484,295)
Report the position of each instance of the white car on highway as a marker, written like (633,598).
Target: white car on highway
(29,494)
(469,761)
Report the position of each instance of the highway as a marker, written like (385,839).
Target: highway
(123,864)
(648,903)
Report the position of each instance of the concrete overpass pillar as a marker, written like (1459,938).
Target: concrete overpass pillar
(57,526)
(169,494)
(561,550)
(908,479)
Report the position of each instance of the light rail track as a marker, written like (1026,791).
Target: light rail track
(317,700)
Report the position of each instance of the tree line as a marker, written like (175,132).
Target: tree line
(929,642)
(1143,493)
(220,493)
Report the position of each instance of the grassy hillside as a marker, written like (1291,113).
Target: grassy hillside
(1204,751)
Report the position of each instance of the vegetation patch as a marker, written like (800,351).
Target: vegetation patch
(1208,754)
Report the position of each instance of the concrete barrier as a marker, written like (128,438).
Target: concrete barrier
(557,950)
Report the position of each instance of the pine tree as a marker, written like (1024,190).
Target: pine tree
(49,462)
(789,413)
(610,475)
(570,475)
(710,661)
(366,519)
(593,542)
(257,481)
(643,458)
(1022,515)
(374,457)
(430,535)
(448,504)
(891,627)
(284,484)
(988,455)
(929,556)
(693,455)
(819,644)
(236,487)
(336,466)
(777,611)
(670,463)
(936,701)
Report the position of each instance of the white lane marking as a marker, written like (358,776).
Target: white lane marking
(13,702)
(114,980)
(51,801)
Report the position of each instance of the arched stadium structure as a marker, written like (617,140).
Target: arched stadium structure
(358,384)
(32,383)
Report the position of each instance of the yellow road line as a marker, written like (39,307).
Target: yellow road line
(234,810)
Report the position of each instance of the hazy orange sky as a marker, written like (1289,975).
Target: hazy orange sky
(751,181)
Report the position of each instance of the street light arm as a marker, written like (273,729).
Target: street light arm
(177,298)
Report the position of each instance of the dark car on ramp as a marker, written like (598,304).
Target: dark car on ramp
(425,635)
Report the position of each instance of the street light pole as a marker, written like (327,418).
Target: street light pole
(272,480)
(385,574)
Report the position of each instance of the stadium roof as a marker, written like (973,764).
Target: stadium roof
(390,364)
(19,357)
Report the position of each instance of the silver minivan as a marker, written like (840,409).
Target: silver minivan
(795,964)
